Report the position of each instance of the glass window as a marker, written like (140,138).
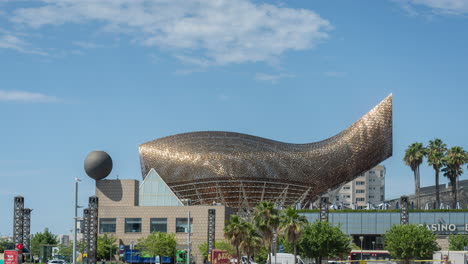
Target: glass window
(158,225)
(107,225)
(360,191)
(132,225)
(181,225)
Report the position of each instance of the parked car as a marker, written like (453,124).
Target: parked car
(56,261)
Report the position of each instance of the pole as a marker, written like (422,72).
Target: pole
(188,238)
(76,220)
(361,238)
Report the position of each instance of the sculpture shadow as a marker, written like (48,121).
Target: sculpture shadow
(113,190)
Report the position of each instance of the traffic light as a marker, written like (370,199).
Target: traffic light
(19,246)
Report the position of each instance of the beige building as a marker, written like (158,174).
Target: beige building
(129,211)
(368,187)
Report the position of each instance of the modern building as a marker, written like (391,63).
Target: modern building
(129,211)
(63,240)
(372,225)
(367,190)
(224,172)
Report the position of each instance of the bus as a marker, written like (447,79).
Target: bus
(357,255)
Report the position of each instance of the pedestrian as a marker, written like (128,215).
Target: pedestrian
(445,259)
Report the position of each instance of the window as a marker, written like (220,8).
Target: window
(132,225)
(182,226)
(107,225)
(346,188)
(158,225)
(337,198)
(371,196)
(360,191)
(360,183)
(360,199)
(348,196)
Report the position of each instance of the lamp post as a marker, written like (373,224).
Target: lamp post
(76,219)
(373,245)
(362,239)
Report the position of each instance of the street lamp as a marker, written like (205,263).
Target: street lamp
(362,239)
(76,219)
(373,245)
(131,252)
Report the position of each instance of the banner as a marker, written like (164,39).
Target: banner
(10,257)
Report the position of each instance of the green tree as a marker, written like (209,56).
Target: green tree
(5,244)
(458,242)
(410,242)
(435,154)
(266,220)
(106,246)
(219,244)
(252,241)
(235,232)
(323,240)
(41,240)
(455,159)
(158,244)
(292,226)
(414,155)
(66,251)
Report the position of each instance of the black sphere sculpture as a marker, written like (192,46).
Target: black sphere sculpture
(98,164)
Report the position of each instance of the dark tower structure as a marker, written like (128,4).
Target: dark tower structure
(211,229)
(324,209)
(92,229)
(85,229)
(404,215)
(27,228)
(18,220)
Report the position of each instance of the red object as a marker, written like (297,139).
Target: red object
(219,256)
(10,257)
(19,246)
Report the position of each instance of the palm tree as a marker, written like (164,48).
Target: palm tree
(435,154)
(266,220)
(455,159)
(251,242)
(235,231)
(292,225)
(414,155)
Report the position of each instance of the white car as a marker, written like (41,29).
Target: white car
(56,261)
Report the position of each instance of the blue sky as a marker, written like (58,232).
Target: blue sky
(77,76)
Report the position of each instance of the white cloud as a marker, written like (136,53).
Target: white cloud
(22,96)
(10,41)
(271,77)
(438,6)
(200,32)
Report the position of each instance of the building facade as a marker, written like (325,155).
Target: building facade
(368,189)
(130,211)
(372,225)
